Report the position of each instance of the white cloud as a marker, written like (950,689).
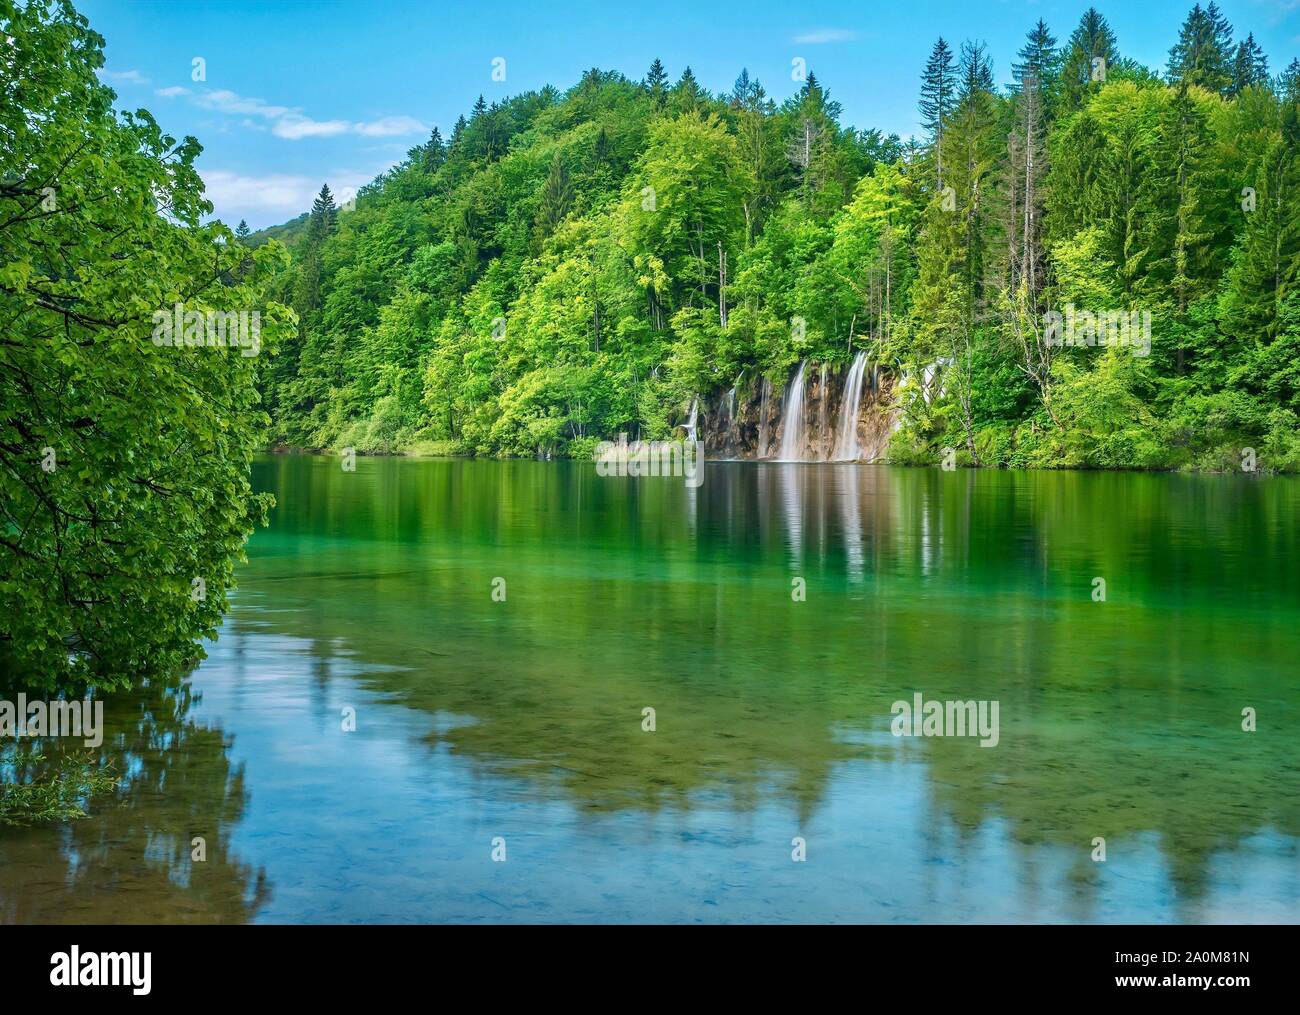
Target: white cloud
(274,197)
(224,101)
(172,92)
(278,192)
(290,122)
(295,127)
(132,76)
(390,126)
(821,35)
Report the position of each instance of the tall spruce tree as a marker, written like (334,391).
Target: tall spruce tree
(1027,163)
(556,199)
(1089,52)
(1249,66)
(1203,54)
(1264,273)
(435,152)
(324,215)
(938,98)
(656,83)
(1185,145)
(760,147)
(973,149)
(1288,83)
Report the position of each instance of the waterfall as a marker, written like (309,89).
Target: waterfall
(822,399)
(731,405)
(691,423)
(846,438)
(793,436)
(762,418)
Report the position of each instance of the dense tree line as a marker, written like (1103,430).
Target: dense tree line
(565,266)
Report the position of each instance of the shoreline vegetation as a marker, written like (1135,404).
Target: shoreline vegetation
(445,450)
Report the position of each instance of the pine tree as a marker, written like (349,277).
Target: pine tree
(1288,83)
(760,147)
(973,149)
(1090,49)
(1036,57)
(1267,263)
(811,146)
(656,83)
(557,198)
(686,96)
(1027,164)
(495,132)
(324,216)
(242,232)
(480,107)
(1249,66)
(1203,54)
(435,152)
(1130,205)
(938,97)
(458,133)
(1073,196)
(1186,142)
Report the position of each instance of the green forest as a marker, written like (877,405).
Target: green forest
(565,266)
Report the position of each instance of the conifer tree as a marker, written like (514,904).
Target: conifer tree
(686,96)
(1267,263)
(1288,83)
(557,198)
(1203,54)
(1249,66)
(1027,163)
(324,216)
(656,83)
(1090,49)
(938,97)
(1185,143)
(435,152)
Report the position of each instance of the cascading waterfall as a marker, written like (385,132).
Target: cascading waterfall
(691,423)
(846,438)
(762,418)
(793,429)
(822,400)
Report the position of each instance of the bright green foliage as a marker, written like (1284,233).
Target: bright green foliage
(569,266)
(36,790)
(124,491)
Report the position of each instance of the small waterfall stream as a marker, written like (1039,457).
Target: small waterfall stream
(846,438)
(793,428)
(763,408)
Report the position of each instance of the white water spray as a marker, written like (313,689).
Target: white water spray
(846,438)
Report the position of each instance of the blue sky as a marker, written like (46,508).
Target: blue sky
(300,92)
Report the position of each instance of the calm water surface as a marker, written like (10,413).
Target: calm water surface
(522,719)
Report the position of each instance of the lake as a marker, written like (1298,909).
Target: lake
(498,629)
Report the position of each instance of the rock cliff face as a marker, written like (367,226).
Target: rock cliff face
(822,414)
